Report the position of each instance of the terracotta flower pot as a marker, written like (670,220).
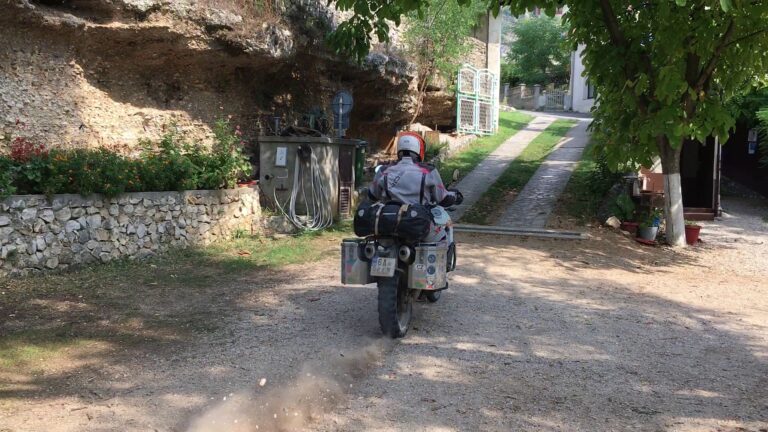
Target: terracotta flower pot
(246,184)
(631,227)
(692,234)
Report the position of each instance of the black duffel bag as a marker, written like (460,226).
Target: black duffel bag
(407,221)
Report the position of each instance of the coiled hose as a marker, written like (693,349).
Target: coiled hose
(319,211)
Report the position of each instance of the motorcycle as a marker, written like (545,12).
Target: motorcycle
(404,271)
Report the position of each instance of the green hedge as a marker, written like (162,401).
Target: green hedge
(171,164)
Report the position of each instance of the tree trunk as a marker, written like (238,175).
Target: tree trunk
(673,192)
(421,89)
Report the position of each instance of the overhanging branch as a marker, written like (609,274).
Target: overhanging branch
(612,23)
(620,41)
(706,73)
(745,37)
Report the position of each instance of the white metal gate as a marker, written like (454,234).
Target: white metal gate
(555,100)
(477,105)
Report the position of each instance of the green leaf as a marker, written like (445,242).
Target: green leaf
(642,84)
(495,8)
(680,2)
(726,5)
(361,8)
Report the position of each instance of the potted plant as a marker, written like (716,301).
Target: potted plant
(692,231)
(649,227)
(624,209)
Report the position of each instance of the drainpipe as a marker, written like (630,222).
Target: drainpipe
(572,79)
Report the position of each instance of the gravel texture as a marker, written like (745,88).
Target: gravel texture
(546,335)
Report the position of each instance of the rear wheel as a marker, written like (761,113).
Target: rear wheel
(433,296)
(395,306)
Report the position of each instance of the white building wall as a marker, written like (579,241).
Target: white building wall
(581,100)
(493,53)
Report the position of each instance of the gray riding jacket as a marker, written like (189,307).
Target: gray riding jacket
(408,182)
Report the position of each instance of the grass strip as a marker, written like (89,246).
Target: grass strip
(467,159)
(517,173)
(587,188)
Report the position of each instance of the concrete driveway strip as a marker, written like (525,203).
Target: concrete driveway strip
(537,200)
(486,173)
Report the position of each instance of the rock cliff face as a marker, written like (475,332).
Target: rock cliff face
(110,72)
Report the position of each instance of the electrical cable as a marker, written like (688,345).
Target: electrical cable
(319,212)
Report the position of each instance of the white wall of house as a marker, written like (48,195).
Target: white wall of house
(581,93)
(493,53)
(486,40)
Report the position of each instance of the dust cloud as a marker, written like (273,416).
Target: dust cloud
(316,390)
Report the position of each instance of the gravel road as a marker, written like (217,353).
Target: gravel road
(545,335)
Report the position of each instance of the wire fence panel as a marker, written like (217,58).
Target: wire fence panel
(466,115)
(477,101)
(485,121)
(485,83)
(467,80)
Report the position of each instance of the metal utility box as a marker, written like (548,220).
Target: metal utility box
(335,166)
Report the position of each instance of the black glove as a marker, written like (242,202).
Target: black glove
(459,196)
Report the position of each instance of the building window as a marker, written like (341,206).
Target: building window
(537,11)
(559,11)
(591,91)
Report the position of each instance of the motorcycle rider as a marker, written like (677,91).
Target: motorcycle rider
(411,181)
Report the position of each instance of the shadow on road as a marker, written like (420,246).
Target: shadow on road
(593,335)
(532,335)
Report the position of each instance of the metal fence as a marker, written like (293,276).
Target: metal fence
(538,98)
(477,104)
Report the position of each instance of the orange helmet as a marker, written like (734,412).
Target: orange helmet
(413,142)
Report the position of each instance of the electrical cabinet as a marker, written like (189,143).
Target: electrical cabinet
(335,162)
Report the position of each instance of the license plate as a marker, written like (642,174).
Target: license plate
(383,267)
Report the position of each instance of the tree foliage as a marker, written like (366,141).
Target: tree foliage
(664,70)
(437,40)
(440,36)
(539,53)
(762,116)
(752,110)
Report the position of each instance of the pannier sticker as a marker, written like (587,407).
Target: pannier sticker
(413,213)
(419,267)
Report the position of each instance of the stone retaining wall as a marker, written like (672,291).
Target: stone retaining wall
(38,233)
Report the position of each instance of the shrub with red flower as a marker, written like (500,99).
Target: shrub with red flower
(171,164)
(24,150)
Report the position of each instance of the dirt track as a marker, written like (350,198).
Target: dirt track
(533,335)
